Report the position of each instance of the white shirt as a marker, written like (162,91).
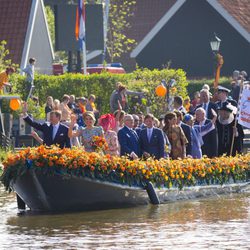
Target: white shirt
(202,122)
(29,70)
(55,129)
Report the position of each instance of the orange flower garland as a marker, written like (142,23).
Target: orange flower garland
(162,172)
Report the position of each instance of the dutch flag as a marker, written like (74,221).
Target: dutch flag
(80,23)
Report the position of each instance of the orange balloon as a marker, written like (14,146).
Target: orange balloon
(160,90)
(15,104)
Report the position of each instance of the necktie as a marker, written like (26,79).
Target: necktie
(54,133)
(205,108)
(134,134)
(149,134)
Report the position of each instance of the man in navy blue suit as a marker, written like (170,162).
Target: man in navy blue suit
(152,140)
(128,139)
(206,104)
(54,132)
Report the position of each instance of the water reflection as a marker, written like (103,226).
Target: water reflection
(221,222)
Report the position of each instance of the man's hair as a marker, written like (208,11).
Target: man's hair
(149,116)
(136,117)
(10,70)
(205,90)
(121,87)
(179,114)
(57,113)
(32,59)
(65,97)
(178,100)
(128,116)
(200,109)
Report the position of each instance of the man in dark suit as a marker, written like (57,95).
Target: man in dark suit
(223,97)
(128,139)
(206,104)
(178,104)
(210,146)
(54,132)
(136,127)
(152,141)
(186,129)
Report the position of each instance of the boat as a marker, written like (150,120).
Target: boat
(59,193)
(49,179)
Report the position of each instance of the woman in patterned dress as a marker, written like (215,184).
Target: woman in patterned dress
(87,132)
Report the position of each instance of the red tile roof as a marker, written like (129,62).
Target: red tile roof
(239,10)
(13,25)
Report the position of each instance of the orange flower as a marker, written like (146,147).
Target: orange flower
(161,172)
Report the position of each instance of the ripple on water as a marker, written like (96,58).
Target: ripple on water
(213,223)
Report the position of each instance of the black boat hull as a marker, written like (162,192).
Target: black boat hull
(59,193)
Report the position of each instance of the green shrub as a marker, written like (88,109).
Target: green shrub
(102,86)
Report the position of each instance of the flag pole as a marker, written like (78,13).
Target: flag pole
(105,24)
(84,57)
(235,122)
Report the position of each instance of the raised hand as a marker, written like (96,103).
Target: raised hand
(73,120)
(119,105)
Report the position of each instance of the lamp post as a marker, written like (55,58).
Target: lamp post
(215,46)
(168,86)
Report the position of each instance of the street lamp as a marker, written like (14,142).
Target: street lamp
(215,46)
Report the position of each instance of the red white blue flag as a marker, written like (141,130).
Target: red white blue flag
(80,22)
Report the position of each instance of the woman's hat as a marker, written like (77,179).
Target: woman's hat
(107,121)
(89,113)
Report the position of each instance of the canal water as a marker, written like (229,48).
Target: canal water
(221,222)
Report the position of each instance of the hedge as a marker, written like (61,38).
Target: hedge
(103,84)
(197,84)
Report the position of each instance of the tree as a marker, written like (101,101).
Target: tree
(4,61)
(51,23)
(117,42)
(119,13)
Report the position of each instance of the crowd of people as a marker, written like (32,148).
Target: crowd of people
(191,129)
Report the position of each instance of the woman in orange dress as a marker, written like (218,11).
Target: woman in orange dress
(4,78)
(175,135)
